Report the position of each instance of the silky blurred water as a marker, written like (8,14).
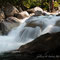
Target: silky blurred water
(23,34)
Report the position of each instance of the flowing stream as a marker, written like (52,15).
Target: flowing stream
(23,34)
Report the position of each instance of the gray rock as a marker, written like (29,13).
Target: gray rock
(57,23)
(10,10)
(38,13)
(7,25)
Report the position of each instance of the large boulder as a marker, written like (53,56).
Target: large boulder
(44,43)
(33,24)
(39,49)
(13,19)
(22,15)
(11,22)
(2,16)
(10,10)
(38,9)
(7,25)
(33,10)
(33,21)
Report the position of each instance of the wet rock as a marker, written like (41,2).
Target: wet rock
(10,25)
(57,23)
(38,13)
(13,19)
(32,14)
(22,15)
(44,47)
(58,14)
(3,29)
(7,25)
(33,22)
(42,44)
(10,10)
(2,16)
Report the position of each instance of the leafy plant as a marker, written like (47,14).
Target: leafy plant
(30,3)
(56,4)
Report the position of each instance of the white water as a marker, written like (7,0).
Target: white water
(22,34)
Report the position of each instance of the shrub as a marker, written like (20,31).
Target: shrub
(56,4)
(31,3)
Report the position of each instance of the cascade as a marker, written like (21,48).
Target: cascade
(23,34)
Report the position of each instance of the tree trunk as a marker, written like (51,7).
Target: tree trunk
(52,6)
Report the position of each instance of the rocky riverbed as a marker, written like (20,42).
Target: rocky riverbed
(40,28)
(11,17)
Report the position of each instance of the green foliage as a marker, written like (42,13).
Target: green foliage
(30,3)
(58,1)
(45,5)
(56,4)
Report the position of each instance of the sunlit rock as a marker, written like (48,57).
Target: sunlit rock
(22,15)
(33,10)
(32,14)
(2,16)
(58,14)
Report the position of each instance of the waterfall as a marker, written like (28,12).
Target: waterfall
(23,34)
(17,37)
